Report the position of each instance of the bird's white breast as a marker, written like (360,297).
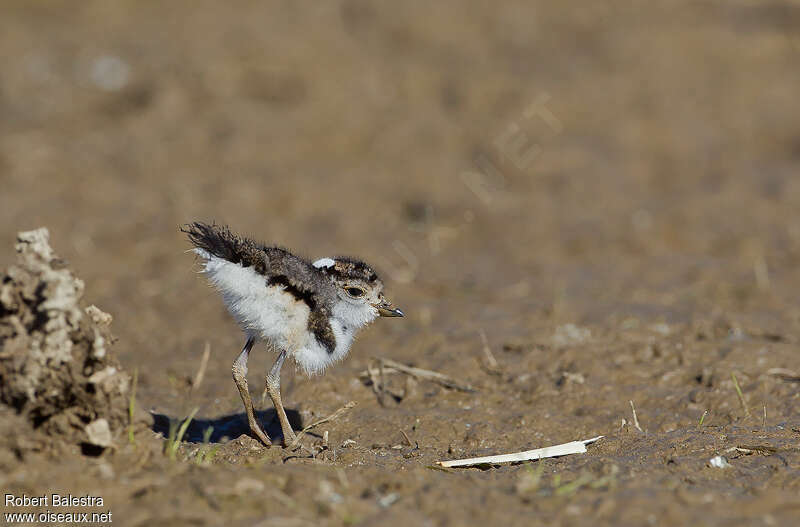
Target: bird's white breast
(271,313)
(314,358)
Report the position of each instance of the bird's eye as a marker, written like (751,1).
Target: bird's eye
(355,292)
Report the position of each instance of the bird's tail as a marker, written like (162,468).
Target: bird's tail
(215,240)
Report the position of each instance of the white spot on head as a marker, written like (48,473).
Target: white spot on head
(324,262)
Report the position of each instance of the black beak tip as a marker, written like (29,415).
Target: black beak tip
(390,312)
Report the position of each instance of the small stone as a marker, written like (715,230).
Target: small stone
(327,494)
(570,334)
(388,500)
(110,73)
(99,433)
(248,486)
(99,376)
(661,328)
(37,242)
(98,345)
(98,316)
(719,462)
(105,470)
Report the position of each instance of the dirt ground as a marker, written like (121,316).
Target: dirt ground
(608,191)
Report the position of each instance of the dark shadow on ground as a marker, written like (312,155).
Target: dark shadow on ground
(226,426)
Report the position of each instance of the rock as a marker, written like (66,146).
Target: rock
(570,334)
(99,317)
(99,433)
(56,366)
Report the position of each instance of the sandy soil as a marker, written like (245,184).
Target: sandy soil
(608,191)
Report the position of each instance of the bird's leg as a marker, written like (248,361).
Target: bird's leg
(274,391)
(265,393)
(240,378)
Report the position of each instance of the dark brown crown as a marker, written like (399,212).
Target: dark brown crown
(345,267)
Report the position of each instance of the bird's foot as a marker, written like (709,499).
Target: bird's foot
(289,438)
(261,435)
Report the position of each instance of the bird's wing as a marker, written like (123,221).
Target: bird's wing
(278,266)
(309,285)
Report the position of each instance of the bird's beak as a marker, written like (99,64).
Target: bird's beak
(386,309)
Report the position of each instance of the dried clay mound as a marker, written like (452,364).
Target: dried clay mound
(56,372)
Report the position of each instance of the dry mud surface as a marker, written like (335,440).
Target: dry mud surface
(607,191)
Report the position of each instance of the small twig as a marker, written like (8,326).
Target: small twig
(201,371)
(377,376)
(334,415)
(377,385)
(635,419)
(784,374)
(365,374)
(740,394)
(146,455)
(405,436)
(382,376)
(132,406)
(764,450)
(491,361)
(436,377)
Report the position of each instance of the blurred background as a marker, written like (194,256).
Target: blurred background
(598,152)
(506,167)
(609,157)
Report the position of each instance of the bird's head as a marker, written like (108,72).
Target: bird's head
(359,291)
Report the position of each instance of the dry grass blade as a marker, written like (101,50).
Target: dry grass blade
(419,373)
(740,394)
(335,415)
(764,450)
(784,374)
(635,419)
(377,384)
(491,361)
(201,371)
(382,376)
(132,406)
(175,442)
